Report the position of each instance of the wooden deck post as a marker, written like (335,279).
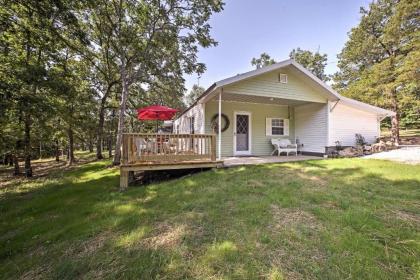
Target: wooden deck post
(123,179)
(213,147)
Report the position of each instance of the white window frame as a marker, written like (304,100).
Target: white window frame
(269,126)
(277,126)
(283,78)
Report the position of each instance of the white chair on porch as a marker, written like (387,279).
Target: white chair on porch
(283,145)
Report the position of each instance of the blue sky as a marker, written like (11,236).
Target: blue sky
(246,28)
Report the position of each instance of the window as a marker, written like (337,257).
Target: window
(283,78)
(191,125)
(277,127)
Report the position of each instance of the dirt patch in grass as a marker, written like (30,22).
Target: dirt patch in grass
(90,246)
(95,243)
(320,182)
(165,236)
(410,218)
(296,259)
(332,205)
(289,218)
(36,273)
(296,232)
(302,176)
(255,183)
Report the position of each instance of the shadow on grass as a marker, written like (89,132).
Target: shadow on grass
(216,223)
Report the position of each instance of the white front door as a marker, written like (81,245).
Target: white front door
(242,133)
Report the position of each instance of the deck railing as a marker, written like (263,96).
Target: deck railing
(167,148)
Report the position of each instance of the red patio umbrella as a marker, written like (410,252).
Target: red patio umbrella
(156,112)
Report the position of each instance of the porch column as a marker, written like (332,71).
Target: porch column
(219,144)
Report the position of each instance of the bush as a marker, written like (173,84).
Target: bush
(360,140)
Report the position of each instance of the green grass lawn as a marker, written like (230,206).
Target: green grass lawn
(320,219)
(403,132)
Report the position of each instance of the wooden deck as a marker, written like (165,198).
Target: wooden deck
(155,151)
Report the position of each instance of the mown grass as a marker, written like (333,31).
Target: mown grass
(325,219)
(403,132)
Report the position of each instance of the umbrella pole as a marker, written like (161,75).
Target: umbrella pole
(157,126)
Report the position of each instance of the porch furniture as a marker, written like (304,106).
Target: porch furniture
(283,145)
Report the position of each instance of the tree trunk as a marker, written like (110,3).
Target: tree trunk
(70,158)
(121,114)
(16,170)
(15,160)
(90,144)
(395,121)
(100,129)
(27,141)
(110,146)
(57,150)
(40,149)
(8,159)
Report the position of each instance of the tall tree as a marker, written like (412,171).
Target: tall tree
(102,59)
(155,41)
(28,49)
(380,61)
(195,92)
(74,99)
(24,54)
(263,60)
(314,62)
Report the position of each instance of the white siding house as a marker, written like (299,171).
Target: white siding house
(346,121)
(287,97)
(311,127)
(192,121)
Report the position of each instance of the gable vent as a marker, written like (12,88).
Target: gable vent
(283,78)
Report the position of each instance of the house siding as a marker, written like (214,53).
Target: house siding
(260,143)
(181,125)
(311,127)
(268,85)
(346,121)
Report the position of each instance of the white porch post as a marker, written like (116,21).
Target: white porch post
(219,141)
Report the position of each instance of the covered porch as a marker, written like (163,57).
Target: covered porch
(255,120)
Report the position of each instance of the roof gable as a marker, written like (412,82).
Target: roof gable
(330,93)
(268,85)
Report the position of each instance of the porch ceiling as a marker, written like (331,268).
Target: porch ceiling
(226,96)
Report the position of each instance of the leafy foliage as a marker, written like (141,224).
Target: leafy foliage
(380,61)
(72,70)
(314,62)
(195,92)
(263,60)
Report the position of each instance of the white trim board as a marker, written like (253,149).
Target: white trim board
(233,101)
